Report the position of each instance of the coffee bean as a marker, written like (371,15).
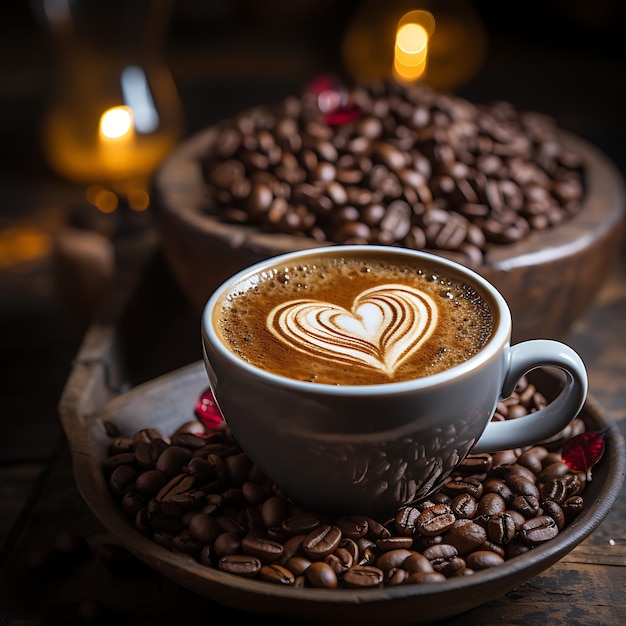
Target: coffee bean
(392,558)
(421,578)
(464,506)
(406,519)
(276,574)
(172,458)
(483,559)
(320,574)
(122,479)
(227,543)
(503,177)
(465,536)
(219,509)
(363,576)
(572,507)
(204,528)
(320,542)
(552,509)
(539,530)
(266,550)
(394,543)
(298,565)
(240,564)
(502,528)
(340,560)
(435,520)
(151,482)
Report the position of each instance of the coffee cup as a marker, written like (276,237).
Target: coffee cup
(357,378)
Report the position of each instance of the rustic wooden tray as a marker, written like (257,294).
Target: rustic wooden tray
(549,279)
(92,397)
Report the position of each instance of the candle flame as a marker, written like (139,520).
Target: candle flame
(116,122)
(411,45)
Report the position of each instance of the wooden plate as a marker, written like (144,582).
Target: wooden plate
(168,401)
(549,279)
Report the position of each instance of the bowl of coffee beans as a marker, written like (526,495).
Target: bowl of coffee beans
(164,475)
(536,210)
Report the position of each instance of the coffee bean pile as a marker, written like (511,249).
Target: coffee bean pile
(418,168)
(198,494)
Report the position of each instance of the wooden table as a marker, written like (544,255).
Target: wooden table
(58,566)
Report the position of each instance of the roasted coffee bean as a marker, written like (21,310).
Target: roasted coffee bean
(417,562)
(187,544)
(301,523)
(350,546)
(276,574)
(240,564)
(376,530)
(266,550)
(572,507)
(465,536)
(396,576)
(363,576)
(444,558)
(147,453)
(482,559)
(204,528)
(392,558)
(148,434)
(273,511)
(217,506)
(475,464)
(320,574)
(394,543)
(406,519)
(522,486)
(172,459)
(117,460)
(122,479)
(553,509)
(528,506)
(552,471)
(458,485)
(298,565)
(533,458)
(227,543)
(319,543)
(502,528)
(435,520)
(560,489)
(499,175)
(353,527)
(464,506)
(151,482)
(340,560)
(539,530)
(496,486)
(421,578)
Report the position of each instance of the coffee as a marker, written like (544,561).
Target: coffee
(354,320)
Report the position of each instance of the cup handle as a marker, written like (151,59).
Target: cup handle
(548,421)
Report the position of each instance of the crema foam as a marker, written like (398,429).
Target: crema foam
(353,321)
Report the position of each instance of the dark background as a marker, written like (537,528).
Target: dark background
(565,59)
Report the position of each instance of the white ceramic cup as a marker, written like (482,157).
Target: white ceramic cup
(370,449)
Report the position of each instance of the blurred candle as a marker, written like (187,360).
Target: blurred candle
(398,39)
(113,112)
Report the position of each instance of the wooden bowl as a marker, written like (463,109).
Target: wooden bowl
(167,402)
(549,279)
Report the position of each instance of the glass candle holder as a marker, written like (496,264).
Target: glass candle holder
(114,111)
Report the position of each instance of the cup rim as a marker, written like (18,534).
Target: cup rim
(496,342)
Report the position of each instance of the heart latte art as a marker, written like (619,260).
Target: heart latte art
(386,325)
